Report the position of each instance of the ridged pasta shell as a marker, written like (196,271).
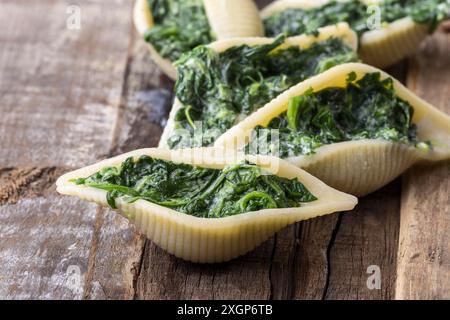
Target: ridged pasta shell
(380,48)
(399,39)
(211,239)
(234,18)
(356,167)
(227,18)
(341,30)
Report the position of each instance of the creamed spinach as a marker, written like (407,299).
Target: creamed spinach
(180,25)
(202,192)
(358,15)
(218,89)
(365,109)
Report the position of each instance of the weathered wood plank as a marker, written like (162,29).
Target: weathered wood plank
(328,257)
(166,277)
(300,263)
(59,86)
(59,102)
(42,235)
(424,252)
(367,236)
(145,104)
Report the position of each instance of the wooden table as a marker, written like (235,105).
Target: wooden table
(69,97)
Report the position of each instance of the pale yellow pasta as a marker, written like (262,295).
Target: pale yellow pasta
(361,166)
(211,239)
(379,47)
(227,18)
(341,30)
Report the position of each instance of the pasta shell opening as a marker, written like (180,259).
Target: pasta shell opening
(227,19)
(359,166)
(381,47)
(340,31)
(210,239)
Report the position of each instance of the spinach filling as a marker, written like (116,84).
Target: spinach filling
(201,192)
(356,14)
(180,26)
(365,109)
(217,89)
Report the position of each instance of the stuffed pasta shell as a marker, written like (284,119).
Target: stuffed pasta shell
(204,205)
(353,126)
(388,30)
(174,27)
(224,82)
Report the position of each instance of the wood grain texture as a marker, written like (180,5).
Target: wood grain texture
(367,236)
(60,86)
(60,92)
(424,251)
(328,257)
(166,277)
(308,256)
(42,234)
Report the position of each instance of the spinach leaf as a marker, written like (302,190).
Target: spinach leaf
(356,14)
(218,89)
(179,27)
(365,109)
(202,192)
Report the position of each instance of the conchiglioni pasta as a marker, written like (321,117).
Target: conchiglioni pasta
(380,46)
(201,239)
(226,18)
(362,165)
(306,56)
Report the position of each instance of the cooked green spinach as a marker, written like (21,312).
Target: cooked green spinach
(365,109)
(356,14)
(201,192)
(179,27)
(217,89)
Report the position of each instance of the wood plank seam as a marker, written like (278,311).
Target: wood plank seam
(291,262)
(139,270)
(93,252)
(294,253)
(328,255)
(272,256)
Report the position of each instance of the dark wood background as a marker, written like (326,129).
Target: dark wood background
(71,97)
